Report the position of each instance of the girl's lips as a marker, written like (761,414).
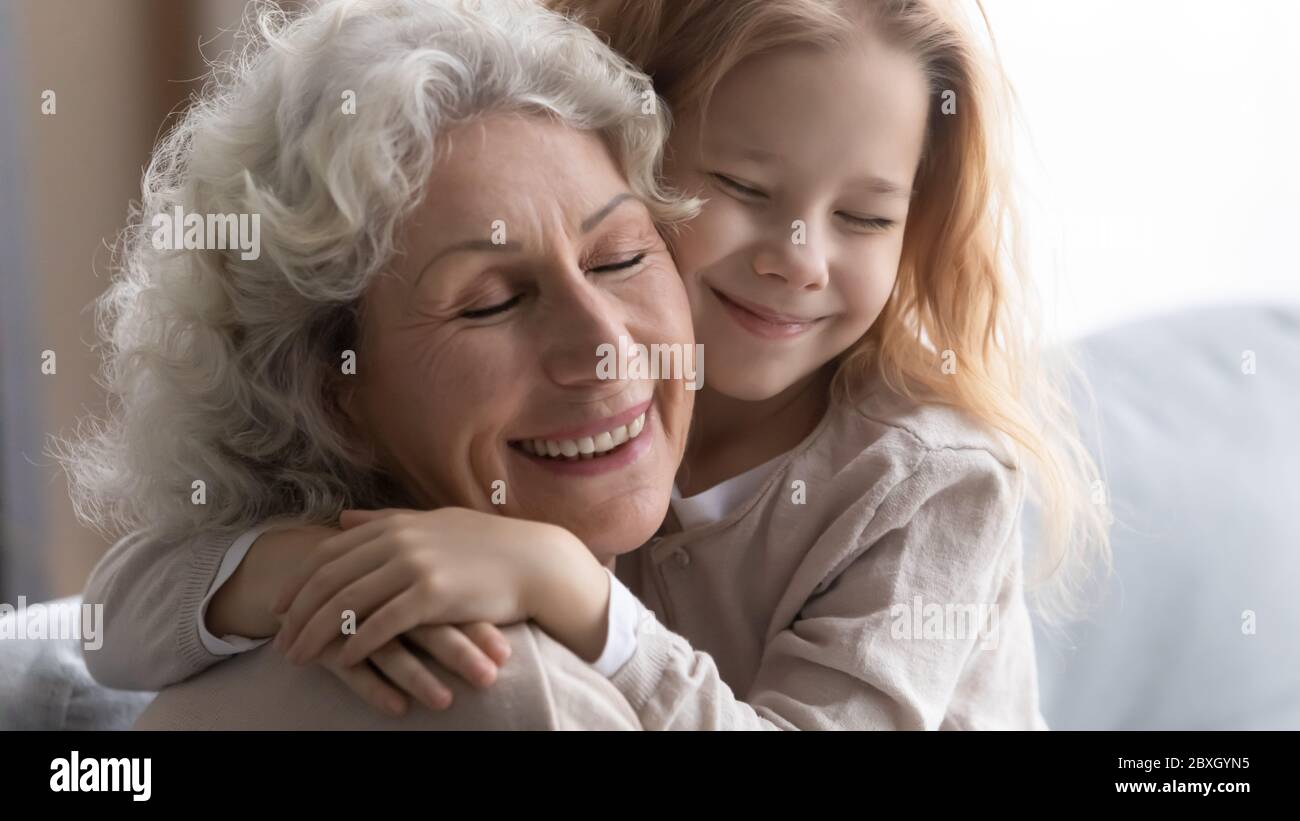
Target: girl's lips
(762,324)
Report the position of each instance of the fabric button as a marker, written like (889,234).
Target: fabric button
(682,558)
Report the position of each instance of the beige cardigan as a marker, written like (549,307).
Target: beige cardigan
(873,582)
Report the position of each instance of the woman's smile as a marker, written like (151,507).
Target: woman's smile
(607,446)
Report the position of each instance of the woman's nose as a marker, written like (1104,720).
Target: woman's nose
(581,319)
(797,256)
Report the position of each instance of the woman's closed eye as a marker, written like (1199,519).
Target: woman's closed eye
(492,310)
(627,264)
(621,265)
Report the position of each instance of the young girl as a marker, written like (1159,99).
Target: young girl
(844,547)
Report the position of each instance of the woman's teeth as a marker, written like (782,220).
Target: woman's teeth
(588,446)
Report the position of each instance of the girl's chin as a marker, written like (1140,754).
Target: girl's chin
(751,387)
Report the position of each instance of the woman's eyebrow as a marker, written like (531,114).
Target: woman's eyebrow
(512,245)
(594,220)
(466,245)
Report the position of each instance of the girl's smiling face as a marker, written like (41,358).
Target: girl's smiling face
(806,158)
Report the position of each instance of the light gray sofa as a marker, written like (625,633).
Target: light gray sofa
(44,685)
(1203,463)
(1204,468)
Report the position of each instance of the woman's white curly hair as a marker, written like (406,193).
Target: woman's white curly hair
(225,370)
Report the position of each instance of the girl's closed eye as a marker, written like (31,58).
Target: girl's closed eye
(736,187)
(861,223)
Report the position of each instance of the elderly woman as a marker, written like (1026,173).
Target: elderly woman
(457,206)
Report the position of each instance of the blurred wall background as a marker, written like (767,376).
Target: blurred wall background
(1158,152)
(117,69)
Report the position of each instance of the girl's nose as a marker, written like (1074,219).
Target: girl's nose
(798,258)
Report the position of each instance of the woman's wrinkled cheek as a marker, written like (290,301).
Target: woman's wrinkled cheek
(663,315)
(416,390)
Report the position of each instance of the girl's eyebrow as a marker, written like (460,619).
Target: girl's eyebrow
(871,183)
(879,185)
(745,150)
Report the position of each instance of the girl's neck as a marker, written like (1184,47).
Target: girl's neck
(731,436)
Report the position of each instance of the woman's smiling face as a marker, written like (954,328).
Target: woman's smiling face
(807,159)
(528,253)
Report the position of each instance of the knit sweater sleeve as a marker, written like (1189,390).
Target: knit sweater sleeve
(151,590)
(947,537)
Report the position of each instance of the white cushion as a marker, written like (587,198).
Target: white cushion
(44,684)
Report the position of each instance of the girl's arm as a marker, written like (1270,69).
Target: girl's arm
(948,536)
(150,591)
(154,593)
(241,606)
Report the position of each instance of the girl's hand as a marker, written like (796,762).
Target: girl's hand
(392,671)
(474,651)
(396,570)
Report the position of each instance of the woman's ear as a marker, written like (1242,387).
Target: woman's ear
(343,387)
(347,413)
(346,407)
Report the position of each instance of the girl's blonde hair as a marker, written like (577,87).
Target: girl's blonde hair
(962,295)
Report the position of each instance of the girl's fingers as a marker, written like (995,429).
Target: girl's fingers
(400,614)
(324,586)
(456,651)
(349,519)
(326,552)
(365,682)
(400,666)
(362,597)
(489,639)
